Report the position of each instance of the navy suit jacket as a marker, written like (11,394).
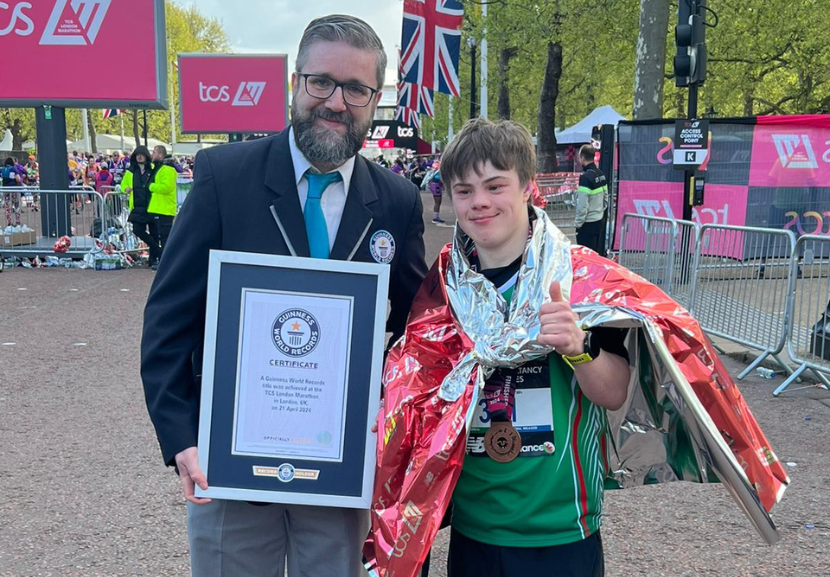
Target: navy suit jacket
(244,198)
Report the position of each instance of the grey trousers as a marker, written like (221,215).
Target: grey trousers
(237,539)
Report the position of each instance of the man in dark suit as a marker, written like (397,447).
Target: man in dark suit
(304,192)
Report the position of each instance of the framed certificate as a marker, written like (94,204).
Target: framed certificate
(291,379)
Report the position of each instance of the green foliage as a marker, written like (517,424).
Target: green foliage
(769,57)
(187,31)
(765,57)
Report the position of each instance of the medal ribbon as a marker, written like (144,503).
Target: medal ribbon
(499,392)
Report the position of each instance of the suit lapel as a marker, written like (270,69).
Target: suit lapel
(357,213)
(286,209)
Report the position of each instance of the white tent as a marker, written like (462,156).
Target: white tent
(191,148)
(32,144)
(8,138)
(110,142)
(580,133)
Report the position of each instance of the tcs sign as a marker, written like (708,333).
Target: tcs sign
(18,21)
(233,93)
(248,93)
(391,134)
(70,23)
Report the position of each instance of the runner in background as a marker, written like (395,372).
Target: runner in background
(436,187)
(10,178)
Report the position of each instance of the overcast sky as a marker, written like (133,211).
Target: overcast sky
(275,26)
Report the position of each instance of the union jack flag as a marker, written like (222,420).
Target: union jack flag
(111,112)
(431,41)
(415,97)
(407,116)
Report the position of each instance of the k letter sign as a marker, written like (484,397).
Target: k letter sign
(230,93)
(51,35)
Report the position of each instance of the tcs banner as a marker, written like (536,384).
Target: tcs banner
(55,38)
(233,93)
(769,171)
(391,134)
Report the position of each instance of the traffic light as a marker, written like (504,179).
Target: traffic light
(690,39)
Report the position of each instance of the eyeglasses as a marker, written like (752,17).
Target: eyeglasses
(322,87)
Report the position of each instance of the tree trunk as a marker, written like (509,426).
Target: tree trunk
(14,127)
(545,135)
(504,85)
(650,65)
(17,134)
(680,103)
(93,137)
(748,104)
(136,134)
(590,96)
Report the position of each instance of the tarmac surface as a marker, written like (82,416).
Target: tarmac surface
(83,490)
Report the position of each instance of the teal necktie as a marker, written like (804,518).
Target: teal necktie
(315,222)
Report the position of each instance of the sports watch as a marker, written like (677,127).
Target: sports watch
(590,350)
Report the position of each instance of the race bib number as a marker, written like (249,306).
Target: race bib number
(532,411)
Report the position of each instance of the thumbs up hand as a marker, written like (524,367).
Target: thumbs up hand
(559,328)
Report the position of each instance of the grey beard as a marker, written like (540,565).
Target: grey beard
(321,146)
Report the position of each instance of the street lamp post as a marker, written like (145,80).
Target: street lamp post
(471,42)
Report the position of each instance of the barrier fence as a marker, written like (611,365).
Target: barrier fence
(808,340)
(119,230)
(742,285)
(686,241)
(49,214)
(92,219)
(647,247)
(753,286)
(559,191)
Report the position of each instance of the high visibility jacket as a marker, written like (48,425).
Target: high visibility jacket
(162,190)
(592,196)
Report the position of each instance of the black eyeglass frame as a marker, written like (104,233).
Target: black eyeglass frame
(341,85)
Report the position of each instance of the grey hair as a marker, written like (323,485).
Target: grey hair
(342,28)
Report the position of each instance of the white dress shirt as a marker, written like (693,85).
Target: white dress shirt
(333,200)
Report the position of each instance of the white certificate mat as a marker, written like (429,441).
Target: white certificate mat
(291,385)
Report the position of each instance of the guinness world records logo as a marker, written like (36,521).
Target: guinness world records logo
(285,472)
(382,247)
(295,332)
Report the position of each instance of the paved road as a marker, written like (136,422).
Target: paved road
(83,491)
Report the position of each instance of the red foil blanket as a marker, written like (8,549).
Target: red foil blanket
(422,438)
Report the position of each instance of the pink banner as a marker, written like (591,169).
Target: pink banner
(790,155)
(229,93)
(725,205)
(59,50)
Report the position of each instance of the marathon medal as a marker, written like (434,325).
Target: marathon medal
(502,443)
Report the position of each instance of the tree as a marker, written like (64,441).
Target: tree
(651,59)
(21,123)
(546,136)
(505,54)
(93,140)
(136,132)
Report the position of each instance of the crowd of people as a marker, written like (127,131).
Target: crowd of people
(425,173)
(149,180)
(106,170)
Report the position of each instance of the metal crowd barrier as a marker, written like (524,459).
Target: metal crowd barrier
(559,192)
(686,242)
(647,248)
(50,212)
(808,342)
(742,287)
(119,230)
